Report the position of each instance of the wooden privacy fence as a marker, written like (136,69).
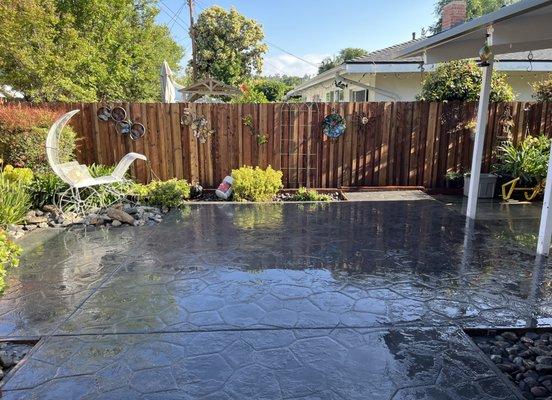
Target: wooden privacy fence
(385,144)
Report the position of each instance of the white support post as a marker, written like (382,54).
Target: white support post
(545,230)
(482,117)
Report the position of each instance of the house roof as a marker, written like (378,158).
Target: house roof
(388,55)
(520,27)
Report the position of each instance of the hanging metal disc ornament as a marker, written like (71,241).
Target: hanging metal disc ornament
(104,113)
(333,125)
(118,114)
(123,127)
(137,131)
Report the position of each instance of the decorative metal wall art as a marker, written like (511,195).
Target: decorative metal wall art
(334,125)
(123,126)
(261,137)
(198,124)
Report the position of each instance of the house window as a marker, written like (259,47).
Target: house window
(330,97)
(316,98)
(340,95)
(359,95)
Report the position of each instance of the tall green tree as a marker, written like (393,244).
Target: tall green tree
(84,50)
(346,54)
(474,9)
(42,54)
(229,45)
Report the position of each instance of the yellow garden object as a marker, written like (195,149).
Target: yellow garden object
(530,193)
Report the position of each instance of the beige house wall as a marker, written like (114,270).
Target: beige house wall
(407,85)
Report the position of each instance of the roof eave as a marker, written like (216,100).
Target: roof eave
(504,13)
(324,76)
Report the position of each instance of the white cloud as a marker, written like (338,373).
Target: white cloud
(290,65)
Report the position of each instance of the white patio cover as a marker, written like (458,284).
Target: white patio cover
(522,26)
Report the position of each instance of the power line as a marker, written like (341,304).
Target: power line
(177,19)
(173,18)
(291,54)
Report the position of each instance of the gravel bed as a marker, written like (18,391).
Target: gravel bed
(526,358)
(11,354)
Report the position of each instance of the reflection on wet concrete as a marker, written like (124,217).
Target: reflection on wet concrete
(355,292)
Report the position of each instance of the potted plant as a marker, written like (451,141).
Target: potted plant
(487,185)
(454,180)
(524,166)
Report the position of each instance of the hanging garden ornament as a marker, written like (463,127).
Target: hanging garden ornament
(118,114)
(333,126)
(123,127)
(485,55)
(104,113)
(137,131)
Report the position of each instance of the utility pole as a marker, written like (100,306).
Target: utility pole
(192,36)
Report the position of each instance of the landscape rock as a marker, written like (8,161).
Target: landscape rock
(525,358)
(120,215)
(11,354)
(6,359)
(509,336)
(115,216)
(539,391)
(33,219)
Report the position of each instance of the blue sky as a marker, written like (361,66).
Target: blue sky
(314,29)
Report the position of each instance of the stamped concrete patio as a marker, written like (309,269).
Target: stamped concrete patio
(348,300)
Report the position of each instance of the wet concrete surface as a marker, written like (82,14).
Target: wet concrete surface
(318,301)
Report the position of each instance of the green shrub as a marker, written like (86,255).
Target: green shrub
(44,188)
(250,94)
(543,89)
(97,170)
(23,131)
(304,194)
(528,161)
(21,175)
(461,80)
(454,180)
(256,184)
(15,201)
(103,196)
(9,256)
(171,193)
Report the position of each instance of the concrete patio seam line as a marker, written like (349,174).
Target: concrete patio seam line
(43,339)
(331,328)
(102,282)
